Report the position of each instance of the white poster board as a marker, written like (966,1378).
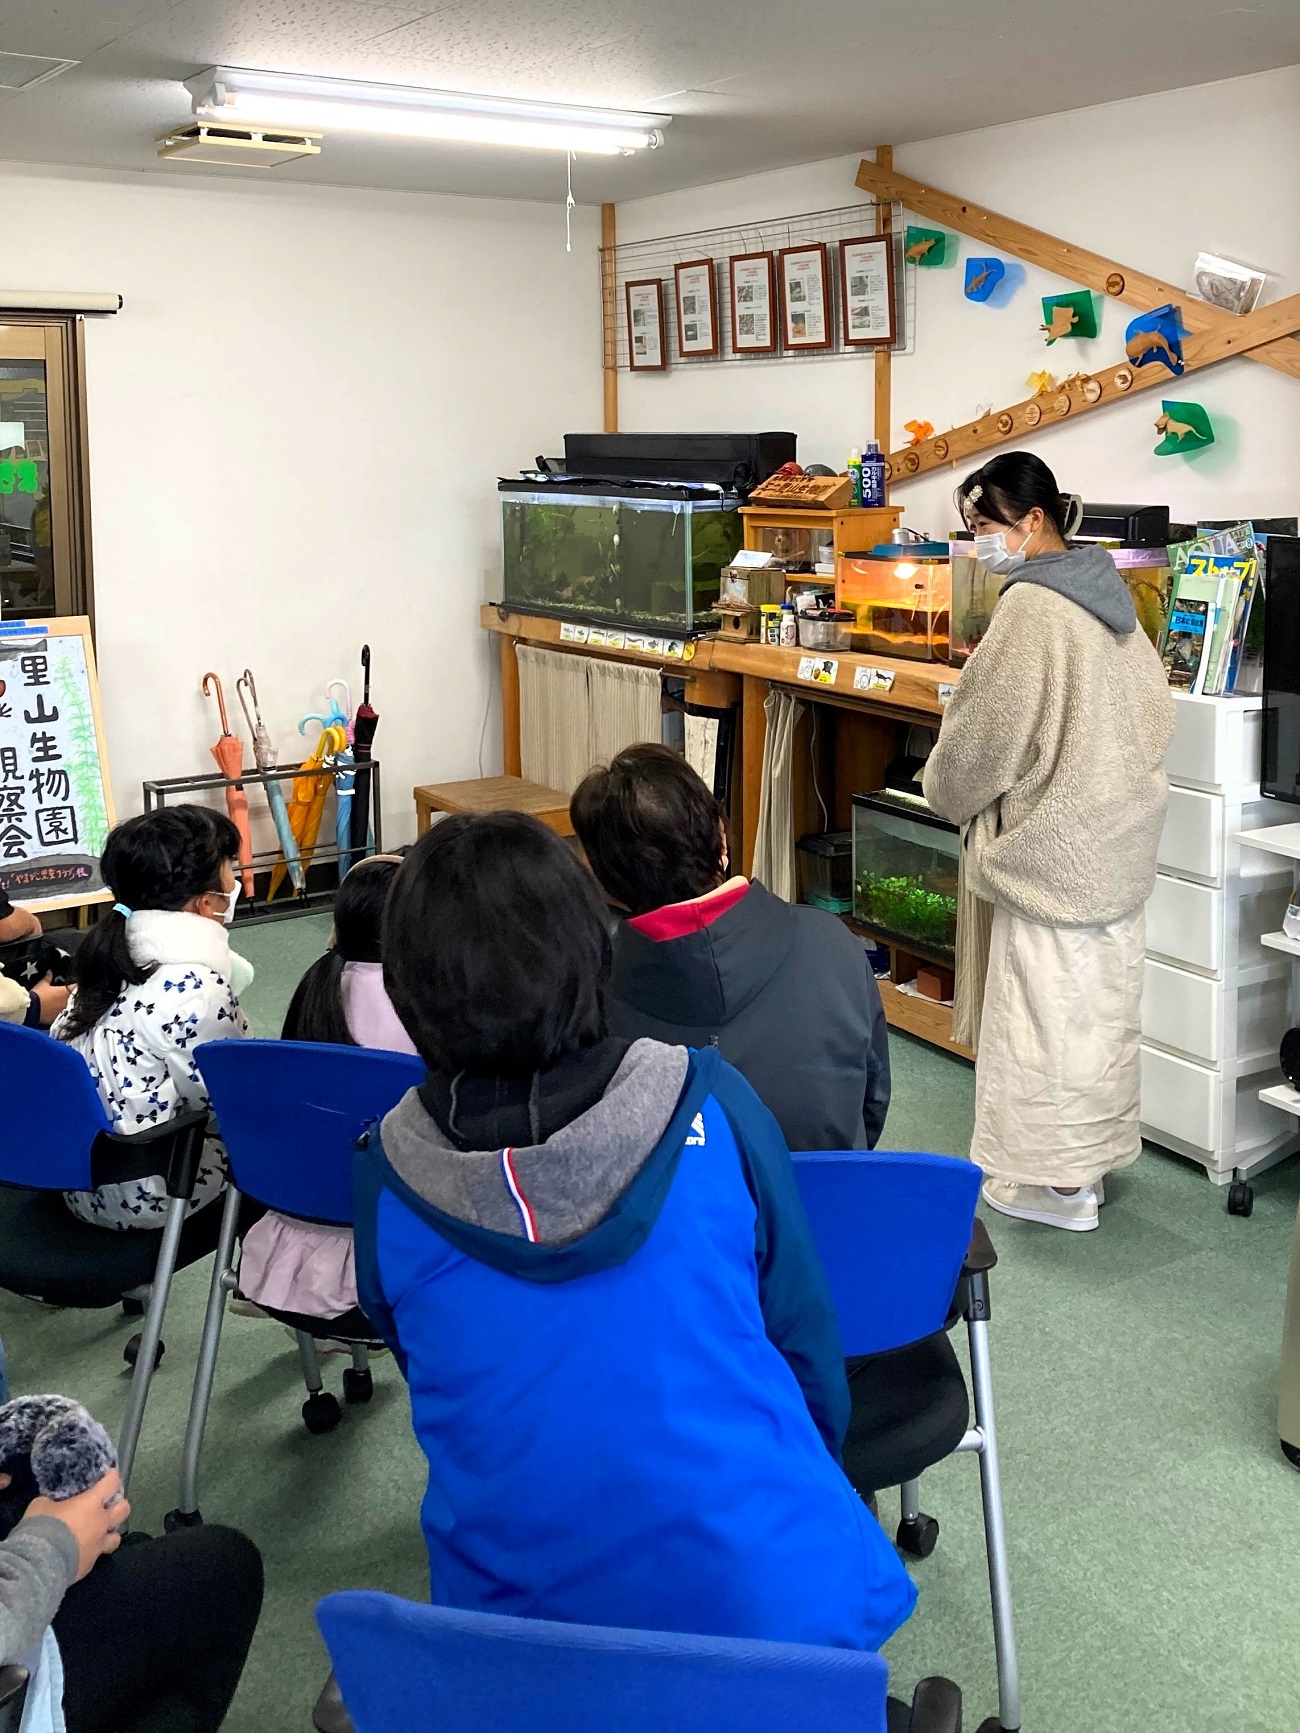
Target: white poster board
(56,800)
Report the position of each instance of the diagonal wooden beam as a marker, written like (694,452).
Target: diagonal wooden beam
(1243,335)
(1075,264)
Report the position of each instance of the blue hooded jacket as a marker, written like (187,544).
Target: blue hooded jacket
(624,1367)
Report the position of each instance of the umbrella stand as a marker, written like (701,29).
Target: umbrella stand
(229,754)
(265,756)
(363,736)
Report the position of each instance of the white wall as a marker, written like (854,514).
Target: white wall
(295,428)
(1149,182)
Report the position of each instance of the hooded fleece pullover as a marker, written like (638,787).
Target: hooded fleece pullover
(622,1356)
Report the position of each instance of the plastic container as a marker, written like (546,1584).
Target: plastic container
(905,873)
(789,628)
(826,865)
(825,631)
(900,595)
(854,467)
(974,596)
(873,475)
(1147,573)
(769,630)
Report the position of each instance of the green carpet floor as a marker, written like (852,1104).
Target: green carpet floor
(1154,1526)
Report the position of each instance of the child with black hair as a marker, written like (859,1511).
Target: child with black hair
(155,979)
(306,1267)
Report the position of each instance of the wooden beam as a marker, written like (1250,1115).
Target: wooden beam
(1076,264)
(1243,335)
(609,313)
(511,744)
(882,421)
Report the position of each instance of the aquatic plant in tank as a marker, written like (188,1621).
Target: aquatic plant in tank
(905,871)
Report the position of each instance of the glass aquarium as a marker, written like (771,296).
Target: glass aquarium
(905,872)
(640,554)
(1149,578)
(901,596)
(974,597)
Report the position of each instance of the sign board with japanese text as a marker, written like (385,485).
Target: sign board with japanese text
(56,800)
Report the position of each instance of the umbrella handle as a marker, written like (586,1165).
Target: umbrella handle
(339,713)
(365,665)
(313,717)
(246,688)
(221,698)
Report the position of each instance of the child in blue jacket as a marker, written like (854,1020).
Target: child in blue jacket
(592,1262)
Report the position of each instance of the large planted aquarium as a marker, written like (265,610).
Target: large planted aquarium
(905,872)
(640,554)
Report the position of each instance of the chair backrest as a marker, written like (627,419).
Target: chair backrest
(439,1670)
(892,1231)
(52,1113)
(291,1112)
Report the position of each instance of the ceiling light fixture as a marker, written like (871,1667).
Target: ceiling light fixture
(407,111)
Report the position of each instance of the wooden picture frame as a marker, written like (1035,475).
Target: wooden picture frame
(868,310)
(647,352)
(695,281)
(806,311)
(753,304)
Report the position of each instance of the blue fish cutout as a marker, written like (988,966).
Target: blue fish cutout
(983,277)
(1156,336)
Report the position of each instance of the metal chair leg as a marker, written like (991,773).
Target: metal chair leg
(186,1515)
(909,1500)
(360,1357)
(995,1536)
(310,1363)
(321,1411)
(150,1336)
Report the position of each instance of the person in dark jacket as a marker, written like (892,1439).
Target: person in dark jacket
(709,959)
(592,1263)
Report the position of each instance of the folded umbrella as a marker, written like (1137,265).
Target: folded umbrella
(363,735)
(308,803)
(229,754)
(265,756)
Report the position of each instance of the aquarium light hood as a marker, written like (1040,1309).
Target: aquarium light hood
(407,111)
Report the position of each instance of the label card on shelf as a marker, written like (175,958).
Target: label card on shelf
(819,669)
(597,635)
(945,693)
(873,679)
(571,634)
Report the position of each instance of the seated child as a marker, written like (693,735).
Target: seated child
(156,977)
(296,1266)
(592,1262)
(28,993)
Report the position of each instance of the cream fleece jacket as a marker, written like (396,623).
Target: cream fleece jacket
(1054,744)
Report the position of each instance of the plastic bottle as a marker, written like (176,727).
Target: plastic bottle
(789,626)
(855,475)
(873,475)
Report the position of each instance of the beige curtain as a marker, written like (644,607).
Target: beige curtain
(576,711)
(774,857)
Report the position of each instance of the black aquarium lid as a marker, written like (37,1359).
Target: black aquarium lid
(702,493)
(884,801)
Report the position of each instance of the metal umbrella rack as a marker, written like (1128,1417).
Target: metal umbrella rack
(326,859)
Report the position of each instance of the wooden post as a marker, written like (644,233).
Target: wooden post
(882,419)
(511,751)
(609,313)
(754,735)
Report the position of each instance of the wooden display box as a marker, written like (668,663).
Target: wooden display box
(850,529)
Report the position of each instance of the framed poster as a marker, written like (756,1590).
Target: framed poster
(697,308)
(867,291)
(806,297)
(753,304)
(645,326)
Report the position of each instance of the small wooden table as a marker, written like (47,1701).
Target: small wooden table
(493,794)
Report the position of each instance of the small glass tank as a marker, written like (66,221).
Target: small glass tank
(640,554)
(974,596)
(901,597)
(905,872)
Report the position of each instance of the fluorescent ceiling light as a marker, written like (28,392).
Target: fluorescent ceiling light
(406,111)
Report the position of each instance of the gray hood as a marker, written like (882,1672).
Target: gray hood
(571,1180)
(1085,575)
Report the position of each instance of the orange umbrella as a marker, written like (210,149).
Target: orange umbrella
(229,754)
(307,807)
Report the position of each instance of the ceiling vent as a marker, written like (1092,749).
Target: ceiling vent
(22,71)
(237,146)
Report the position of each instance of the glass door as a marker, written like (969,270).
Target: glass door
(44,532)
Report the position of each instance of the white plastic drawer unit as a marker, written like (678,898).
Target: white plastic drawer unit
(1187,1012)
(1186,1102)
(1185,924)
(1191,843)
(1216,742)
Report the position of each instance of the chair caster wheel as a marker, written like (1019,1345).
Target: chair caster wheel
(179,1519)
(918,1537)
(1291,1452)
(357,1386)
(992,1725)
(1241,1198)
(321,1412)
(131,1353)
(132,1308)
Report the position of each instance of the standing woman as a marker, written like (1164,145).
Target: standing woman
(1051,758)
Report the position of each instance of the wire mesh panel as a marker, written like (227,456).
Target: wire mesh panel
(639,261)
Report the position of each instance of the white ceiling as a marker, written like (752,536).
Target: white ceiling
(753,84)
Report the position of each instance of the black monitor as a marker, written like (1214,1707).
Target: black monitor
(1280,770)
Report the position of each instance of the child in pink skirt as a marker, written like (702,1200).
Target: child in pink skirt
(303,1267)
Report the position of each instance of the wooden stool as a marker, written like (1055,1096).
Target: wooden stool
(493,794)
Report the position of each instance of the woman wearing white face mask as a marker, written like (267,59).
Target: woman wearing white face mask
(1051,758)
(156,978)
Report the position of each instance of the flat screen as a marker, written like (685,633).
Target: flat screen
(1280,771)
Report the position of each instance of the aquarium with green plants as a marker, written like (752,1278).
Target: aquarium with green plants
(905,872)
(638,554)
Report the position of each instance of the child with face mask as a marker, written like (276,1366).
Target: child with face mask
(155,979)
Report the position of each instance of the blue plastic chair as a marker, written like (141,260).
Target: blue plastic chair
(54,1137)
(292,1114)
(439,1670)
(900,1240)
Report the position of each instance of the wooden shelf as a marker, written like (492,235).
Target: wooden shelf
(915,686)
(922,1017)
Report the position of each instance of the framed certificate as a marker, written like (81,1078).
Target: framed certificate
(753,304)
(645,326)
(867,291)
(697,308)
(806,297)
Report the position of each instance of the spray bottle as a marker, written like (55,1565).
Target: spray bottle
(855,475)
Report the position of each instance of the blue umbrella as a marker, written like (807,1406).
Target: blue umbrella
(265,755)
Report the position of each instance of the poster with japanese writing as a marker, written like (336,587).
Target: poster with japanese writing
(867,290)
(646,351)
(56,803)
(806,297)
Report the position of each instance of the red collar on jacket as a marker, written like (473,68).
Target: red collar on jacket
(676,920)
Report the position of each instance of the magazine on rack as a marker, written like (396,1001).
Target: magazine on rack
(1185,642)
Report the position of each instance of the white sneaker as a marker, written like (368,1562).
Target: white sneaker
(1042,1203)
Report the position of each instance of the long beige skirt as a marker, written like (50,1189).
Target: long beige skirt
(1057,1082)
